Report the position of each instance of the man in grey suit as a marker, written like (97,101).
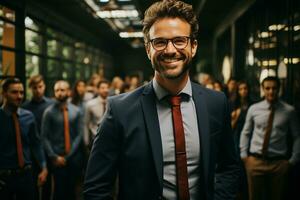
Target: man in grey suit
(135,138)
(94,111)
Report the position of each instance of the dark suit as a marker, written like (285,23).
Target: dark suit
(128,142)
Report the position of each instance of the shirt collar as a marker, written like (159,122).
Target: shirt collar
(161,92)
(43,99)
(8,112)
(100,98)
(267,104)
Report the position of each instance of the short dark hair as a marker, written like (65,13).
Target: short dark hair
(173,9)
(9,81)
(271,78)
(102,82)
(35,80)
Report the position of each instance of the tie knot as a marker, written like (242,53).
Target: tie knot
(175,100)
(64,108)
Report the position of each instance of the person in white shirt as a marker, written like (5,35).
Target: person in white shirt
(94,111)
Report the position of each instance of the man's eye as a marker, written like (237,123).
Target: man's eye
(159,42)
(179,41)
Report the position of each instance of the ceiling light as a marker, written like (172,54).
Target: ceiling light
(265,34)
(86,60)
(276,27)
(28,22)
(131,34)
(297,28)
(104,1)
(118,14)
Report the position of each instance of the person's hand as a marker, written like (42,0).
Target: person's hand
(244,159)
(42,177)
(236,113)
(234,117)
(59,161)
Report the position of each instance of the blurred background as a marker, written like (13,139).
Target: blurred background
(74,39)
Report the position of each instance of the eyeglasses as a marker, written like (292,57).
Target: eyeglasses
(160,44)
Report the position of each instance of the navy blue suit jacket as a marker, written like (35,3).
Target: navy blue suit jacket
(128,143)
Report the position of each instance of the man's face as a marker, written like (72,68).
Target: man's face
(270,89)
(103,90)
(171,63)
(243,90)
(38,90)
(80,88)
(231,85)
(61,91)
(14,95)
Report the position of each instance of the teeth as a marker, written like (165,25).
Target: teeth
(170,59)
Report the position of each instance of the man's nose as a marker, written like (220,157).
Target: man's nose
(170,47)
(20,95)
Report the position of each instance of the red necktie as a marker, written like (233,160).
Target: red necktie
(66,130)
(180,152)
(18,141)
(268,131)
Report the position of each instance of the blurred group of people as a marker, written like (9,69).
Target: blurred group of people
(266,134)
(55,135)
(60,131)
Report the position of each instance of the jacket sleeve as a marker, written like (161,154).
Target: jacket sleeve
(246,133)
(227,164)
(102,165)
(295,132)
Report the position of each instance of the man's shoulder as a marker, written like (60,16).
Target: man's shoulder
(257,106)
(49,100)
(50,108)
(26,104)
(73,107)
(287,106)
(92,102)
(24,112)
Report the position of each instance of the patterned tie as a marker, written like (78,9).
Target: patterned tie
(180,152)
(66,130)
(18,140)
(268,131)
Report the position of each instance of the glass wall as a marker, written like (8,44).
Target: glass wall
(7,42)
(57,55)
(267,42)
(273,44)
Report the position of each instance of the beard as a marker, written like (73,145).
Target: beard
(63,99)
(174,72)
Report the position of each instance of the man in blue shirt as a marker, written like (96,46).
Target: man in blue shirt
(38,102)
(265,150)
(18,141)
(37,106)
(61,136)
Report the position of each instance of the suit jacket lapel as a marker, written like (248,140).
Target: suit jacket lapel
(203,126)
(152,125)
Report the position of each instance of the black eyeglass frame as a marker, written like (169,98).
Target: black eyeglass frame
(188,38)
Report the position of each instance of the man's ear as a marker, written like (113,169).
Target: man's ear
(194,47)
(147,48)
